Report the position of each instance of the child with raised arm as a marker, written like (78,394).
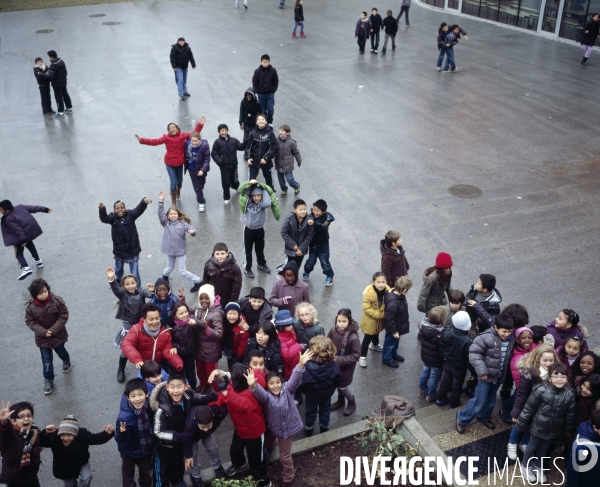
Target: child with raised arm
(131,299)
(124,234)
(19,445)
(134,434)
(282,414)
(70,445)
(46,315)
(174,141)
(176,225)
(197,162)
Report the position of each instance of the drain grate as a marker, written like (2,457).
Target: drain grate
(465,191)
(111,23)
(98,15)
(44,31)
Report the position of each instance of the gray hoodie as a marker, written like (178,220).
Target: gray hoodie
(255,216)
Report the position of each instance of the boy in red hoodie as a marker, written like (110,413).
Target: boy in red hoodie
(149,340)
(290,348)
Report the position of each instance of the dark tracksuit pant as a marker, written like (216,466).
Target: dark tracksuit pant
(19,250)
(61,95)
(46,98)
(254,238)
(198,183)
(229,180)
(256,461)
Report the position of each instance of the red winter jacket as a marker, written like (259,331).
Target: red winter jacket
(245,412)
(289,352)
(140,347)
(175,155)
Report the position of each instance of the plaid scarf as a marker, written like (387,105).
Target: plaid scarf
(29,436)
(345,335)
(144,430)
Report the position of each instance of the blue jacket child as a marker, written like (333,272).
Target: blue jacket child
(588,439)
(136,415)
(164,298)
(197,162)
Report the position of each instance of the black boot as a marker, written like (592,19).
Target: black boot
(121,371)
(197,481)
(383,52)
(323,430)
(469,389)
(584,61)
(309,432)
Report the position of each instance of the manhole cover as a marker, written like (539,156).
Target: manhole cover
(465,191)
(111,23)
(97,15)
(44,31)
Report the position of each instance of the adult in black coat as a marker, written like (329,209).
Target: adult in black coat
(57,74)
(260,150)
(181,56)
(249,109)
(589,36)
(396,324)
(44,86)
(224,153)
(265,83)
(126,241)
(19,230)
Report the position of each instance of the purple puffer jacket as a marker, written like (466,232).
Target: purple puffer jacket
(19,226)
(283,418)
(561,335)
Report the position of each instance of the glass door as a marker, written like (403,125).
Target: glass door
(549,22)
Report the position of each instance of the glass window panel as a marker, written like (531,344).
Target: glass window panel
(509,11)
(489,9)
(471,7)
(550,16)
(574,18)
(529,14)
(453,4)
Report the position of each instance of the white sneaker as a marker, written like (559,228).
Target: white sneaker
(512,451)
(377,348)
(362,362)
(201,208)
(522,447)
(528,474)
(538,472)
(26,271)
(226,202)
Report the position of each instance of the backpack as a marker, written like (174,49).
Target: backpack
(394,410)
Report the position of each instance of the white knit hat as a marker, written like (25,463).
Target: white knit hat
(209,290)
(461,321)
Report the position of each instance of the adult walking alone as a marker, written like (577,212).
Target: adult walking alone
(175,156)
(589,36)
(265,83)
(20,229)
(181,57)
(57,74)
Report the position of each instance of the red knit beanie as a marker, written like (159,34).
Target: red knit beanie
(443,260)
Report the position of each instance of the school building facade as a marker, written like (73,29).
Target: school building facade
(554,18)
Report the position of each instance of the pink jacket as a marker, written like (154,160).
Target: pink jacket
(175,155)
(517,354)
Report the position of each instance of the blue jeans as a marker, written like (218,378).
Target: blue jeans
(322,253)
(133,269)
(390,348)
(290,179)
(267,104)
(517,436)
(482,405)
(449,58)
(47,357)
(175,177)
(310,416)
(441,57)
(431,375)
(282,3)
(181,80)
(296,26)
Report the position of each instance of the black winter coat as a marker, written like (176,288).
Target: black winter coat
(130,305)
(593,29)
(253,318)
(292,235)
(299,13)
(181,56)
(376,22)
(319,382)
(57,73)
(126,242)
(432,353)
(549,412)
(193,434)
(265,80)
(273,360)
(391,25)
(529,378)
(224,152)
(68,460)
(11,448)
(226,278)
(393,264)
(249,109)
(19,226)
(261,144)
(455,346)
(396,314)
(184,338)
(321,224)
(41,81)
